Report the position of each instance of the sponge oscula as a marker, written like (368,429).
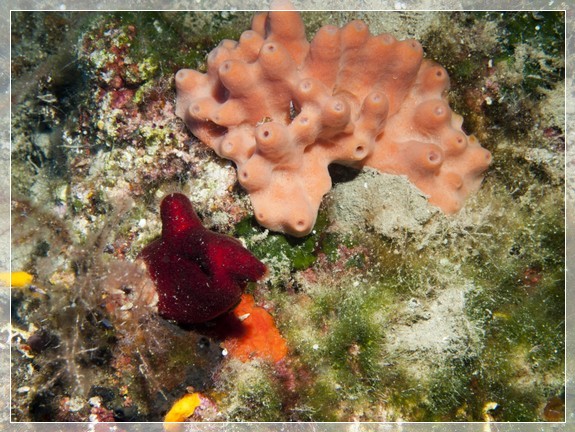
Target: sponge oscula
(284,109)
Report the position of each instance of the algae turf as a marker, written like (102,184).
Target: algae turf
(160,36)
(501,65)
(542,30)
(342,332)
(522,304)
(298,254)
(250,392)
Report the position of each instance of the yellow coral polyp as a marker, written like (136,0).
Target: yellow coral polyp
(181,410)
(18,279)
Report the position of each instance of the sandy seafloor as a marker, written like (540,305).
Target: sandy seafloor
(569,157)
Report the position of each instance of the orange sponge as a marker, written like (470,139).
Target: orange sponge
(259,337)
(284,109)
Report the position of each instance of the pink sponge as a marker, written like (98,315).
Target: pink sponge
(284,109)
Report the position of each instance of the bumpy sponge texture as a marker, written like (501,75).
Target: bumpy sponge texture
(284,109)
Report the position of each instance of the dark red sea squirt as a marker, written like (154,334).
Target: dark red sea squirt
(199,274)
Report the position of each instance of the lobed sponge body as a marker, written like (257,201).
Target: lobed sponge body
(284,109)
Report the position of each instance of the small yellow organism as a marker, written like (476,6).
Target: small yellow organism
(180,411)
(501,315)
(488,410)
(16,279)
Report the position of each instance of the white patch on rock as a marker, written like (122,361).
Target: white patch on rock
(387,204)
(434,333)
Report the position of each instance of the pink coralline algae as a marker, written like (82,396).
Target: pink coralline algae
(284,109)
(198,274)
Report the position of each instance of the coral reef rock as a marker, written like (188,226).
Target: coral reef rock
(394,209)
(283,109)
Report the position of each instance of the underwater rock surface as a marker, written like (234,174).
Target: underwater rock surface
(389,309)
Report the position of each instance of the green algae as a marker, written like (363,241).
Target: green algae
(250,392)
(543,30)
(516,306)
(336,333)
(342,336)
(521,303)
(167,30)
(298,253)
